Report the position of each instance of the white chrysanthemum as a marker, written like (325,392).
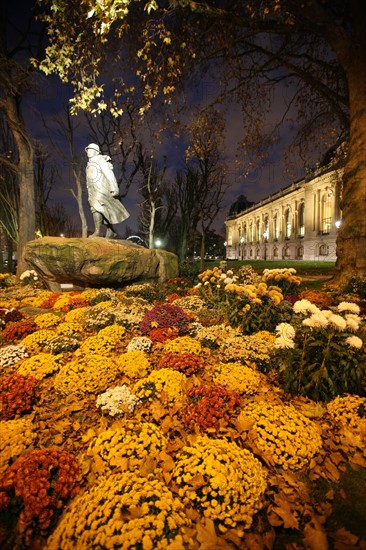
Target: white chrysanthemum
(281,342)
(118,400)
(317,320)
(349,306)
(354,342)
(304,306)
(337,321)
(285,330)
(353,321)
(228,280)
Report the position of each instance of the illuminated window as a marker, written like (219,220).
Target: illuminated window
(326,213)
(302,219)
(276,227)
(257,230)
(288,226)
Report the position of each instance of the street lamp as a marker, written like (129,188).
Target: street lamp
(338,223)
(158,243)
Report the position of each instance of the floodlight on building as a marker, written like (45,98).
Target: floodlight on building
(338,223)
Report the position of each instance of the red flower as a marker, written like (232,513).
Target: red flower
(208,405)
(18,394)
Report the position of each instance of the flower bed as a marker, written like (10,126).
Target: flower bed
(181,430)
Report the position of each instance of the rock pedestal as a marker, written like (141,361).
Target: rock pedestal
(97,262)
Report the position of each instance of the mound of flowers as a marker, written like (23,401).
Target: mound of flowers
(231,481)
(18,394)
(281,435)
(127,511)
(40,365)
(168,385)
(244,379)
(43,480)
(349,411)
(165,316)
(134,364)
(91,373)
(188,363)
(210,405)
(17,436)
(125,446)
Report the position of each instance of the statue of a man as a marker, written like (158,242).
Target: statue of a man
(103,192)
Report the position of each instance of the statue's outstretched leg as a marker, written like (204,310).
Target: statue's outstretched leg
(98,218)
(111,234)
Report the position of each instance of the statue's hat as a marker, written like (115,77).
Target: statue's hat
(93,146)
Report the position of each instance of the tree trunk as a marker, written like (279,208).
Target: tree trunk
(26,201)
(351,240)
(203,250)
(79,199)
(25,173)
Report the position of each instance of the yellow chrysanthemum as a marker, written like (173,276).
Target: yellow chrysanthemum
(40,365)
(16,436)
(92,373)
(232,480)
(124,511)
(124,446)
(281,434)
(165,384)
(183,344)
(47,320)
(235,376)
(134,364)
(349,411)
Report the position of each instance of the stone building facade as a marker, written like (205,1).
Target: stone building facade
(299,222)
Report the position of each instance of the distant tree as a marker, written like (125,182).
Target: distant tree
(17,45)
(67,127)
(44,179)
(205,152)
(118,131)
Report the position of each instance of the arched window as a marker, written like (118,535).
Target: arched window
(251,232)
(323,250)
(275,252)
(230,236)
(302,219)
(326,212)
(245,236)
(300,252)
(257,230)
(266,228)
(276,227)
(288,226)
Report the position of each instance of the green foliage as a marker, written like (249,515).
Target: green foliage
(357,285)
(318,355)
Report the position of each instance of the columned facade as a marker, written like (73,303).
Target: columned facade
(300,222)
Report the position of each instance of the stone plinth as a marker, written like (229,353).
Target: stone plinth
(97,262)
